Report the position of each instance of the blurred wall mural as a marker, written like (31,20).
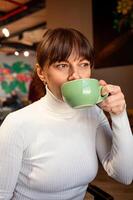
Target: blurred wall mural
(15,79)
(113,32)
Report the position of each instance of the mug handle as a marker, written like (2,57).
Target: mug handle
(101,98)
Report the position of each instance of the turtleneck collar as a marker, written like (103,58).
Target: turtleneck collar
(58,106)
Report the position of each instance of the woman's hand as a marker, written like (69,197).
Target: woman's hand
(115,102)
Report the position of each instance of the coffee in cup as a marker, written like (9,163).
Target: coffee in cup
(82,93)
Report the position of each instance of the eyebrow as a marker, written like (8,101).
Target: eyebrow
(80,60)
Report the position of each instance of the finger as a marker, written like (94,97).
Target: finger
(114,107)
(115,110)
(112,89)
(115,90)
(106,90)
(114,99)
(110,106)
(118,109)
(105,108)
(102,82)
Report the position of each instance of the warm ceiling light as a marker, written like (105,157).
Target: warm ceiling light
(16,53)
(26,53)
(6,32)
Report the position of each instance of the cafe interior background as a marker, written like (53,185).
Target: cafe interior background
(107,24)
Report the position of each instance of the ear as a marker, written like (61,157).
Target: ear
(41,74)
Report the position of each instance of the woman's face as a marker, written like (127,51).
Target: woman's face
(60,72)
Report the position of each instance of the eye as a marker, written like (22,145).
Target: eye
(61,65)
(85,64)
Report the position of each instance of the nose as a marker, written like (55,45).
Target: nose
(74,75)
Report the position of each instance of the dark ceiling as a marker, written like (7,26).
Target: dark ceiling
(26,21)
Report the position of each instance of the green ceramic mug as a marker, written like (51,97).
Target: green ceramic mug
(81,93)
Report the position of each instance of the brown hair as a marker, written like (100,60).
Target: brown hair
(36,88)
(57,45)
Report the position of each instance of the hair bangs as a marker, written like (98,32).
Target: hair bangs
(60,43)
(61,50)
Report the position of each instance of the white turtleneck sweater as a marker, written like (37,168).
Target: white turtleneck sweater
(48,151)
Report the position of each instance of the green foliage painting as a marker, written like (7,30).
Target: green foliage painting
(15,77)
(123,15)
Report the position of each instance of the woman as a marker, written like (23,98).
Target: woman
(49,150)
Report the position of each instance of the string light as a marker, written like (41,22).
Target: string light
(6,32)
(26,53)
(16,53)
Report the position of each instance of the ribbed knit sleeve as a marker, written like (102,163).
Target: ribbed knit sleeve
(115,147)
(11,150)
